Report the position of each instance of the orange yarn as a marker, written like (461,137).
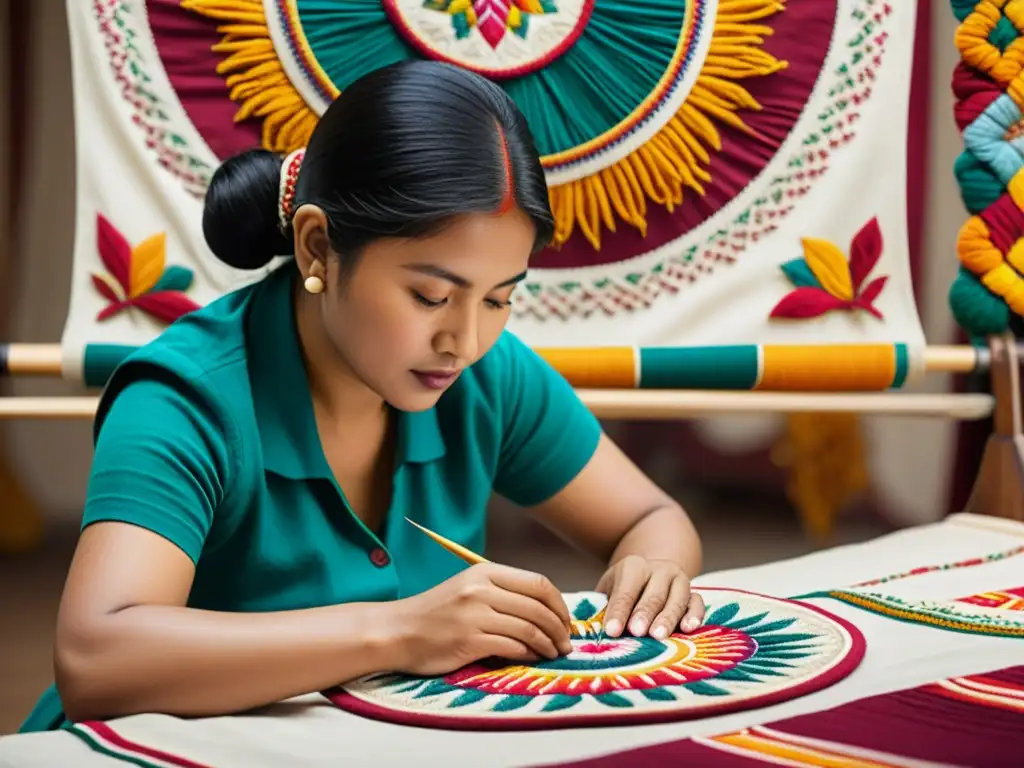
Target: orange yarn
(602,368)
(866,367)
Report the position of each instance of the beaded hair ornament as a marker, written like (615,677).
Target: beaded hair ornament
(286,192)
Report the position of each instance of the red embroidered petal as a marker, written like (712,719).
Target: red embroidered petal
(105,291)
(864,252)
(115,251)
(804,303)
(166,306)
(870,293)
(110,310)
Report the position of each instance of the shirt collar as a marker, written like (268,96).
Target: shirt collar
(281,396)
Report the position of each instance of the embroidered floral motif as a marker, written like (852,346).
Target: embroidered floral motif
(139,277)
(492,18)
(825,281)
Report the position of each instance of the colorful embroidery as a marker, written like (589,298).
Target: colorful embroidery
(751,648)
(956,564)
(157,116)
(1004,600)
(989,88)
(492,18)
(825,281)
(138,277)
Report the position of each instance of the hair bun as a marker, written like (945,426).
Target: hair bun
(240,217)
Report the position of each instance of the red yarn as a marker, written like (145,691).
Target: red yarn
(974,93)
(1005,222)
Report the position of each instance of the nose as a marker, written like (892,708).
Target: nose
(459,338)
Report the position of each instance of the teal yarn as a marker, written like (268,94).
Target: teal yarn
(963,8)
(1003,34)
(979,186)
(975,308)
(612,68)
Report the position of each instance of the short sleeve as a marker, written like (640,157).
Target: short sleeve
(160,462)
(549,434)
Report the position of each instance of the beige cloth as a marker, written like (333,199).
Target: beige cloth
(309,731)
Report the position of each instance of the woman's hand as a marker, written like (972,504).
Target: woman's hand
(649,597)
(487,610)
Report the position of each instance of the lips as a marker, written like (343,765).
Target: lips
(436,379)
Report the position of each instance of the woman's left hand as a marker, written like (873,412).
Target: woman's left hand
(649,597)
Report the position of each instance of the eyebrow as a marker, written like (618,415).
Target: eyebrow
(435,271)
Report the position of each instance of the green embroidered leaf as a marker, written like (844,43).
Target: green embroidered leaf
(720,616)
(613,700)
(773,626)
(174,278)
(658,694)
(584,610)
(702,688)
(736,673)
(781,654)
(749,621)
(561,701)
(767,663)
(512,702)
(778,639)
(757,670)
(435,688)
(470,696)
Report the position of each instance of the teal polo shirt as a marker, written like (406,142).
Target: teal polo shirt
(207,437)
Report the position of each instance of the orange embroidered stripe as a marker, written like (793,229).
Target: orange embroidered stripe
(796,750)
(920,617)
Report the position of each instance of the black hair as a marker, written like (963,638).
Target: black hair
(402,152)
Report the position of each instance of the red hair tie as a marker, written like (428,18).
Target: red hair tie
(286,194)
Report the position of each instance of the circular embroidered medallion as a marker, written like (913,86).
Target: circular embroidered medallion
(495,38)
(753,650)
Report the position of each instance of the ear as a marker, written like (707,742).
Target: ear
(312,247)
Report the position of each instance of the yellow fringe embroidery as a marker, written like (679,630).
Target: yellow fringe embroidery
(674,160)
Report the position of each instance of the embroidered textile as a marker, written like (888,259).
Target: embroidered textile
(752,650)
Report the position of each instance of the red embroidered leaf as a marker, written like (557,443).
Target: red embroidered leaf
(105,290)
(166,306)
(110,310)
(865,249)
(805,303)
(115,251)
(870,293)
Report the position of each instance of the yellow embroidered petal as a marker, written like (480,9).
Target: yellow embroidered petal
(829,265)
(147,264)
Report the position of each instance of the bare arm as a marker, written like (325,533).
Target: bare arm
(126,644)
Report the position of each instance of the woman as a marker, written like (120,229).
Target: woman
(244,537)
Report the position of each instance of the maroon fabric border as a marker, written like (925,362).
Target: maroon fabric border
(348,702)
(917,723)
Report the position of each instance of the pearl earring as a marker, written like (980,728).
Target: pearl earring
(313,284)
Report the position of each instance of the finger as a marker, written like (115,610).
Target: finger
(651,602)
(631,579)
(508,649)
(532,585)
(675,607)
(520,630)
(536,613)
(694,614)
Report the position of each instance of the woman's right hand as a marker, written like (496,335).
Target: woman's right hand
(487,610)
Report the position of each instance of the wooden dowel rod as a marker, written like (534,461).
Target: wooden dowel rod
(651,404)
(34,360)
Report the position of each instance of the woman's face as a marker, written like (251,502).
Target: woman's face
(413,314)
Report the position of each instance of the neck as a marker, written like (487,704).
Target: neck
(336,390)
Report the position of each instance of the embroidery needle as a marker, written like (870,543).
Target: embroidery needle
(458,550)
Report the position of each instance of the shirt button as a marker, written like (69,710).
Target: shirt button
(379,557)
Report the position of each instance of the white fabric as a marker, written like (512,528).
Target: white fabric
(309,731)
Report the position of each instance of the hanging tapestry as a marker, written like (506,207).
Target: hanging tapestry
(707,159)
(971,720)
(751,651)
(980,595)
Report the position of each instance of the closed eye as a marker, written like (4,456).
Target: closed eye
(427,302)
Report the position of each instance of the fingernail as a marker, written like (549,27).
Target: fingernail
(638,627)
(658,633)
(613,628)
(691,624)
